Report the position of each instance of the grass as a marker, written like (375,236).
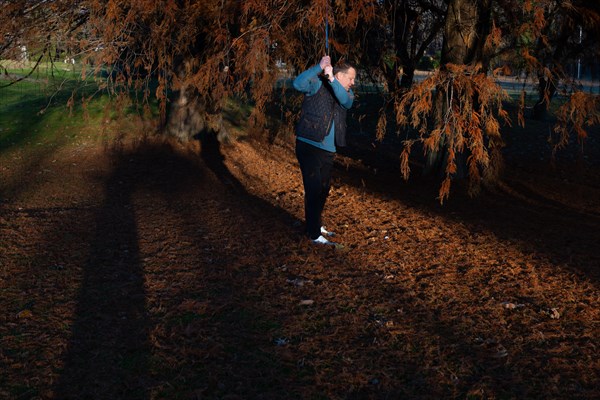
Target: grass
(54,70)
(34,112)
(54,106)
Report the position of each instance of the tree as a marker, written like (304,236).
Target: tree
(457,112)
(408,27)
(571,32)
(193,55)
(201,52)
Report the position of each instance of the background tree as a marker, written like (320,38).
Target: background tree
(30,30)
(458,111)
(556,34)
(400,36)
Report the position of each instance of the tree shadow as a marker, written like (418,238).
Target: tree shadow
(107,356)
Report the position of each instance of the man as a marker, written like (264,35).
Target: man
(322,127)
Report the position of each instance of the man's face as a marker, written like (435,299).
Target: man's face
(346,78)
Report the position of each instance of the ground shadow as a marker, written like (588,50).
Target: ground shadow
(213,158)
(107,356)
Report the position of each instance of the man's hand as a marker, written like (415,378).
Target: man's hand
(325,61)
(329,73)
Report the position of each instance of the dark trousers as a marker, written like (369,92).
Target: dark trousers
(316,165)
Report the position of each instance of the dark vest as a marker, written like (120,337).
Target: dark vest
(318,111)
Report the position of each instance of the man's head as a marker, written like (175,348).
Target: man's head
(345,74)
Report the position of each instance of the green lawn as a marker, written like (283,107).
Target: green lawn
(55,106)
(44,70)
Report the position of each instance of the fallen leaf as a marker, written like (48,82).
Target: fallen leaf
(512,306)
(25,314)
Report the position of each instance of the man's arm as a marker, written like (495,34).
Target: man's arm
(346,98)
(308,82)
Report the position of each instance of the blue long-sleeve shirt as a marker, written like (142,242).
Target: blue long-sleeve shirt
(308,82)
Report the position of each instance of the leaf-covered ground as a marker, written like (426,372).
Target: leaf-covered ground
(155,271)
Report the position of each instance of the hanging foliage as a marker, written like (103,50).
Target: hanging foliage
(194,55)
(469,126)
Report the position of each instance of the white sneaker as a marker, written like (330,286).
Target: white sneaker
(325,232)
(322,240)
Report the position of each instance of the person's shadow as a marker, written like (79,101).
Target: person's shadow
(210,153)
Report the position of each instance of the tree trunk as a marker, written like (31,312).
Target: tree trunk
(546,90)
(189,116)
(464,37)
(460,32)
(185,117)
(408,76)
